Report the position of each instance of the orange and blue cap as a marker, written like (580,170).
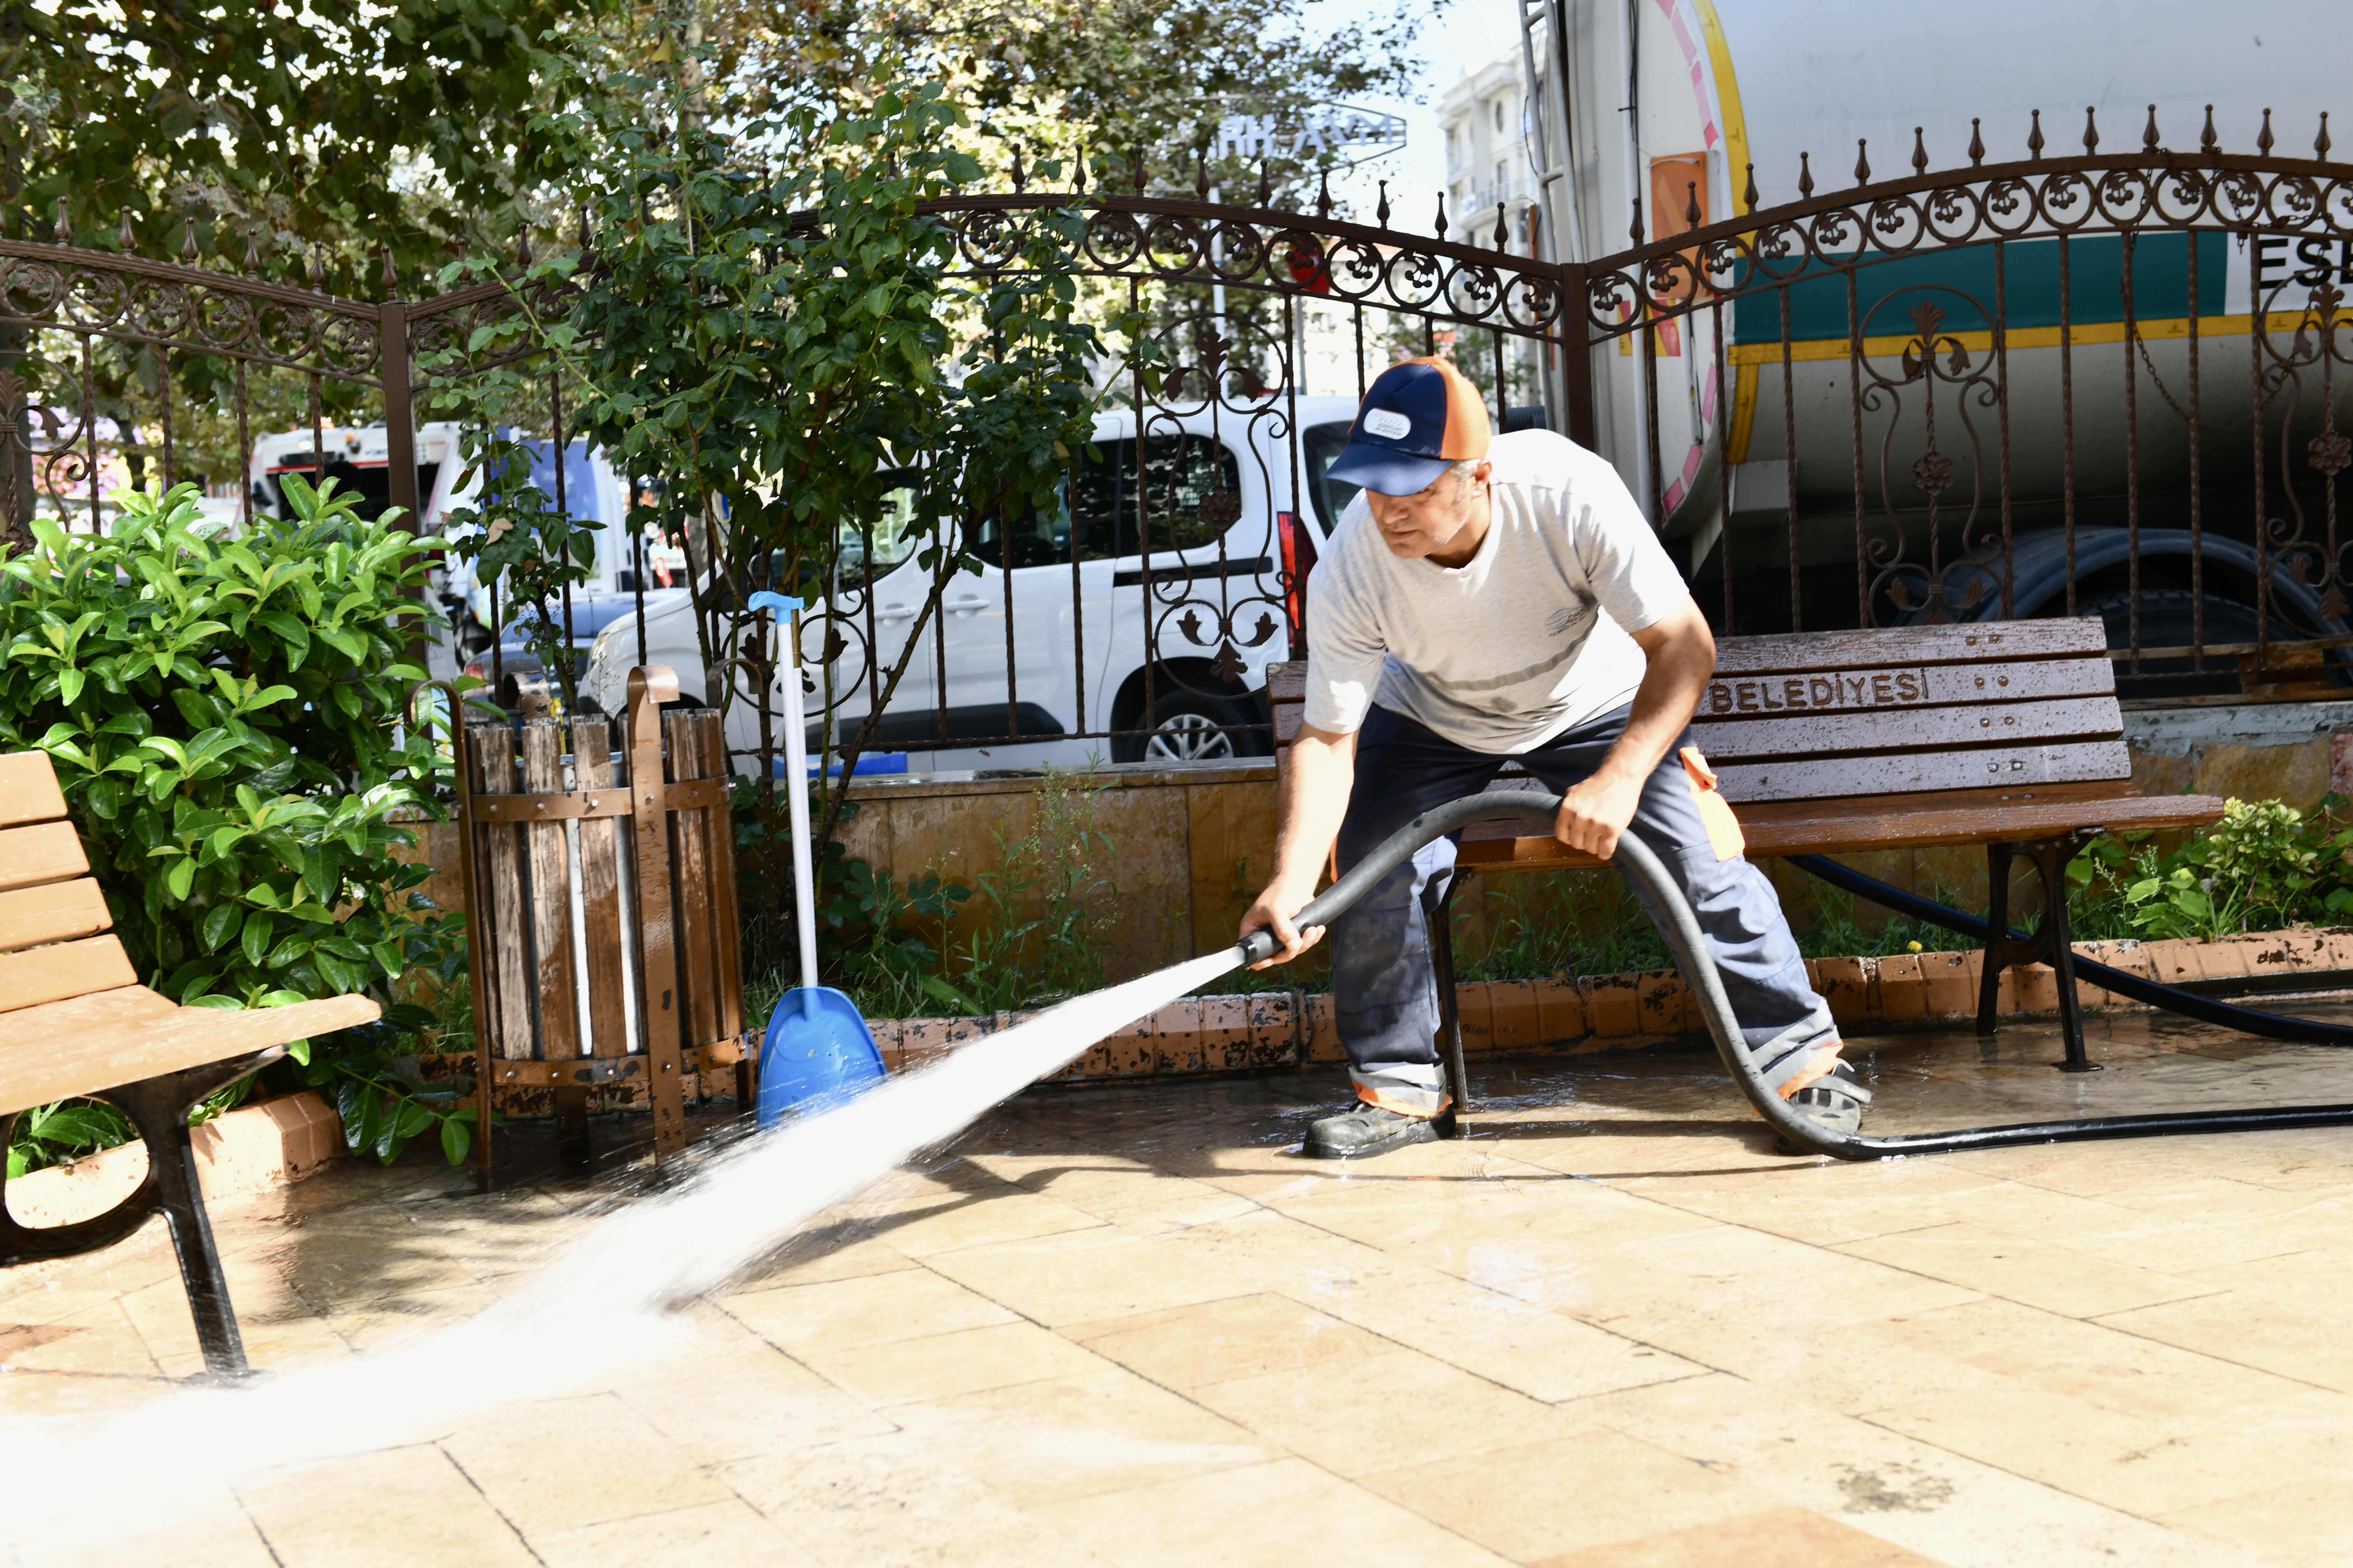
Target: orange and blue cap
(1417,417)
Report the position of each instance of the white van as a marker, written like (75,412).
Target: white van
(356,458)
(1078,633)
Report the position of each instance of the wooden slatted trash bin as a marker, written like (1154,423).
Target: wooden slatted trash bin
(597,856)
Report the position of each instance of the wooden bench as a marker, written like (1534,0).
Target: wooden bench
(2002,733)
(75,1021)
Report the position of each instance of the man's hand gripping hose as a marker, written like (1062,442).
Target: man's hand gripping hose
(1642,867)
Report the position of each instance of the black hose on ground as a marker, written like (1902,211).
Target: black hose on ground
(1641,867)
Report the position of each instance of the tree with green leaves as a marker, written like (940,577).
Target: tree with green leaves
(1062,78)
(770,335)
(398,131)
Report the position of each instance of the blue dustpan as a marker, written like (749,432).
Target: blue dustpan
(817,1047)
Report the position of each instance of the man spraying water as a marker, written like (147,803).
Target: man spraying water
(1488,600)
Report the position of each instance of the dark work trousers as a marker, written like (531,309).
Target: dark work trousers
(1385,990)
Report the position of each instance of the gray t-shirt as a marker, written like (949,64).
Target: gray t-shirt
(1504,653)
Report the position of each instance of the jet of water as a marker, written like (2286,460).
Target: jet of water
(606,1297)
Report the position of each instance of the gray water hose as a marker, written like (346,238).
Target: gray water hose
(1641,867)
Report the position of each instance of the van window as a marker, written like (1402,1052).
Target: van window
(1178,476)
(1024,537)
(870,547)
(1320,447)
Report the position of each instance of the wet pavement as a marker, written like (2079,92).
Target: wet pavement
(1128,1327)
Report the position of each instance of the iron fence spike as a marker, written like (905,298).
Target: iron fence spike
(2264,141)
(1919,149)
(1201,174)
(2207,140)
(1691,204)
(1805,176)
(391,275)
(1020,178)
(2149,131)
(1381,213)
(1265,192)
(1441,214)
(2320,144)
(2091,130)
(318,271)
(1636,228)
(1748,196)
(2034,143)
(1862,161)
(1141,175)
(1078,174)
(522,250)
(586,245)
(64,228)
(1323,196)
(1503,231)
(188,251)
(123,239)
(252,254)
(1977,143)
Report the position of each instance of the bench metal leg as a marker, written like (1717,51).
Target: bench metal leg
(1997,857)
(2050,943)
(159,1109)
(1437,908)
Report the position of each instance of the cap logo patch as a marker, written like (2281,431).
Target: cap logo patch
(1387,424)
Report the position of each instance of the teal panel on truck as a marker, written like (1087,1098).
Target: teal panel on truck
(1960,281)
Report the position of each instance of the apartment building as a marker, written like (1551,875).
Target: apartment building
(1484,118)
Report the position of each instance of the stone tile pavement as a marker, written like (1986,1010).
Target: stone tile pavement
(1608,1329)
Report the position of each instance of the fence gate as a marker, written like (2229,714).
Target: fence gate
(600,874)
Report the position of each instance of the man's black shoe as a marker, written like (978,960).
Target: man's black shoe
(1834,1102)
(1367,1129)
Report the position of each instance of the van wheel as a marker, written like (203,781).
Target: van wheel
(1190,727)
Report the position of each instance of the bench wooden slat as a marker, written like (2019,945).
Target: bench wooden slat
(55,911)
(1821,828)
(29,1029)
(1908,688)
(1982,726)
(63,969)
(28,789)
(1797,652)
(50,852)
(1910,773)
(95,1060)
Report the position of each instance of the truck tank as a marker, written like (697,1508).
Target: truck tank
(1682,104)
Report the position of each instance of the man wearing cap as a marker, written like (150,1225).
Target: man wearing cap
(1486,601)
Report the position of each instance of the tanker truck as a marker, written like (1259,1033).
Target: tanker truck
(1907,414)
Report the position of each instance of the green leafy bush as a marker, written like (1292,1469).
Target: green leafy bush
(223,714)
(2265,866)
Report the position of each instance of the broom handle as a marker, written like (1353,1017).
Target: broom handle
(796,787)
(796,714)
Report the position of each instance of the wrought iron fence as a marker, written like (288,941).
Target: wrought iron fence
(116,369)
(2103,383)
(112,365)
(1140,620)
